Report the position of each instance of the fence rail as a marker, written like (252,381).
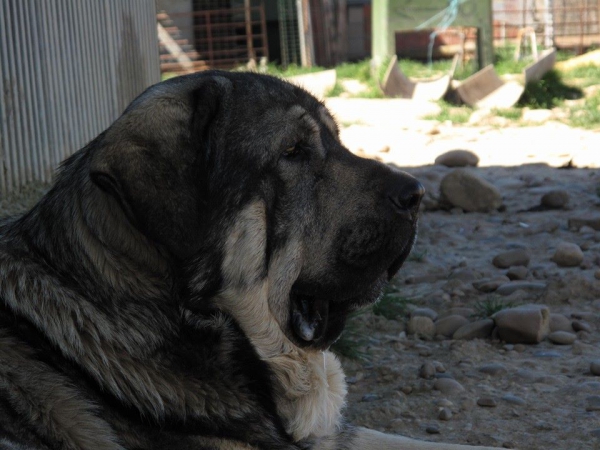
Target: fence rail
(68,68)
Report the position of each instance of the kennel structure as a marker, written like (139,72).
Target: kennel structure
(67,70)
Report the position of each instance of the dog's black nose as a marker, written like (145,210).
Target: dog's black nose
(405,195)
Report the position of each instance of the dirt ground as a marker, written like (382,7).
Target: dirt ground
(529,397)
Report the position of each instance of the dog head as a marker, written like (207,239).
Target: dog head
(243,176)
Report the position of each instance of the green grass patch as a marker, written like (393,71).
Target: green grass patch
(549,92)
(490,306)
(455,114)
(391,306)
(586,115)
(352,340)
(508,113)
(291,70)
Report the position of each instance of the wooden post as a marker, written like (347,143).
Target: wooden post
(249,43)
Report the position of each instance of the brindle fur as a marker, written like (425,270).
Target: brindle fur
(145,300)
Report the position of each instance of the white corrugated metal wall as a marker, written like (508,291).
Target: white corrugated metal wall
(68,68)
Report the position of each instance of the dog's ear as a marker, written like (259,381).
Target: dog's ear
(152,161)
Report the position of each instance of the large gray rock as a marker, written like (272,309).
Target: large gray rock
(466,190)
(568,255)
(448,325)
(516,257)
(421,326)
(562,337)
(556,199)
(527,324)
(480,329)
(457,158)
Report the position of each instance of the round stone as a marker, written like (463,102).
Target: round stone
(457,158)
(579,325)
(513,399)
(568,255)
(432,429)
(556,199)
(516,257)
(480,329)
(493,369)
(421,326)
(595,367)
(448,325)
(424,312)
(488,402)
(469,192)
(560,322)
(562,337)
(427,371)
(448,386)
(445,414)
(517,273)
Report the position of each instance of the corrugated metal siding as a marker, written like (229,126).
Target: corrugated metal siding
(68,68)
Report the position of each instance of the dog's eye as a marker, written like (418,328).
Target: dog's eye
(292,152)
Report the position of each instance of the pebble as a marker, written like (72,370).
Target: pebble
(459,311)
(448,325)
(427,371)
(529,324)
(468,191)
(568,255)
(556,199)
(432,429)
(579,325)
(517,273)
(516,257)
(421,326)
(513,399)
(489,402)
(424,312)
(549,354)
(578,222)
(562,337)
(490,284)
(448,386)
(559,322)
(595,367)
(370,397)
(457,158)
(593,403)
(493,369)
(513,286)
(445,414)
(479,329)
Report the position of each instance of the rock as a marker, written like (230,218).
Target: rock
(421,326)
(559,322)
(556,199)
(480,329)
(580,325)
(528,324)
(493,369)
(568,255)
(457,310)
(445,414)
(457,158)
(448,325)
(448,386)
(509,288)
(517,273)
(424,312)
(513,399)
(488,402)
(427,371)
(578,222)
(432,429)
(562,337)
(465,190)
(370,397)
(547,354)
(593,403)
(595,367)
(490,284)
(516,257)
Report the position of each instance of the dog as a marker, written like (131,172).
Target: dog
(180,284)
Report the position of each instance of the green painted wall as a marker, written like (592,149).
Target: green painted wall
(389,16)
